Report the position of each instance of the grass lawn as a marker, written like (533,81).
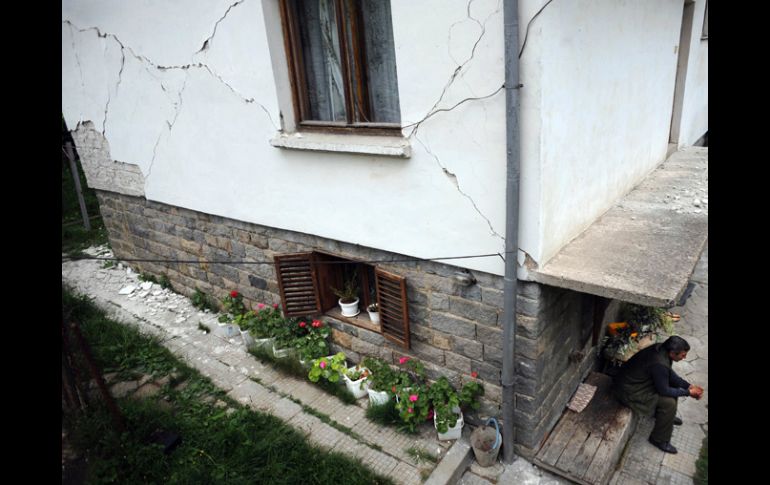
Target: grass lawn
(222,441)
(702,465)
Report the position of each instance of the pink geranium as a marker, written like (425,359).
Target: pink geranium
(410,410)
(413,397)
(260,305)
(302,324)
(403,360)
(275,306)
(322,365)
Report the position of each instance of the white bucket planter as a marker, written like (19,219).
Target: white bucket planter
(374,316)
(248,340)
(227,330)
(265,344)
(452,433)
(349,309)
(357,388)
(282,353)
(378,398)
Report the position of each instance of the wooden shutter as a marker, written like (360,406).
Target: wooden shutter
(297,284)
(391,298)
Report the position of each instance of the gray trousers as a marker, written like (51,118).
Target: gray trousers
(665,411)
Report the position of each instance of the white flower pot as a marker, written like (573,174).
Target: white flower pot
(357,388)
(227,330)
(248,340)
(378,397)
(282,353)
(265,344)
(452,433)
(349,309)
(374,316)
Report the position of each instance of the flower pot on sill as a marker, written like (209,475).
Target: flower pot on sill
(349,309)
(453,432)
(374,316)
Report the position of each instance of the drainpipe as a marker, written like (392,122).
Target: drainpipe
(513,164)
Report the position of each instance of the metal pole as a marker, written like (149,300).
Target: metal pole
(513,165)
(76,177)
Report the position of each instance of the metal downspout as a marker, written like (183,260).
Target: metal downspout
(513,165)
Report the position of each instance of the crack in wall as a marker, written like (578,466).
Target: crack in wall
(159,67)
(460,67)
(117,87)
(170,125)
(451,176)
(77,59)
(206,42)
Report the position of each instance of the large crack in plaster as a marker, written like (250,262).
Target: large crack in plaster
(206,43)
(433,110)
(453,178)
(145,61)
(178,108)
(117,87)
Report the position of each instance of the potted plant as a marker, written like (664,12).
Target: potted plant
(348,297)
(380,381)
(447,415)
(374,312)
(264,324)
(311,343)
(235,312)
(356,379)
(330,368)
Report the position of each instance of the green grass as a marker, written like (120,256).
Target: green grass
(237,447)
(702,465)
(74,236)
(419,455)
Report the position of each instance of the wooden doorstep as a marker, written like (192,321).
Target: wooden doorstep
(585,447)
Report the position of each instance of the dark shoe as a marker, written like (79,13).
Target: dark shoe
(677,421)
(667,446)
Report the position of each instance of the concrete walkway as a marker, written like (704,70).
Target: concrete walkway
(643,463)
(173,319)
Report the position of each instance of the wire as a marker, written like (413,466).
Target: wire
(526,34)
(197,261)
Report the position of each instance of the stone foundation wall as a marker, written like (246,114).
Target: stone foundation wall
(455,329)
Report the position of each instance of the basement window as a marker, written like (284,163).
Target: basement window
(306,283)
(342,65)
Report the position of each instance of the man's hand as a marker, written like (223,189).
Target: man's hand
(695,391)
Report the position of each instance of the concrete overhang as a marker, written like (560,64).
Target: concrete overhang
(644,249)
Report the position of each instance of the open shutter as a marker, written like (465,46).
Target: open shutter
(394,315)
(297,284)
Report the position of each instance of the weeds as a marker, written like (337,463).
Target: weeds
(218,446)
(204,328)
(201,301)
(419,455)
(702,465)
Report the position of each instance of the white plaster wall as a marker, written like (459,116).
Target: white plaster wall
(695,110)
(197,122)
(606,72)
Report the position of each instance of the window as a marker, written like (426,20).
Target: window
(342,64)
(305,282)
(705,31)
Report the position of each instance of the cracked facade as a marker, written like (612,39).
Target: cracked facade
(173,107)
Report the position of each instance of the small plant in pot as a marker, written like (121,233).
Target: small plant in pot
(311,343)
(348,297)
(381,379)
(356,379)
(447,418)
(374,312)
(330,368)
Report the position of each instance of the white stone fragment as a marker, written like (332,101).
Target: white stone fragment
(146,285)
(127,290)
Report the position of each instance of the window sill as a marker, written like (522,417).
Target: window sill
(389,146)
(361,320)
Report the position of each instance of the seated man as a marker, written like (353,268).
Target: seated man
(647,384)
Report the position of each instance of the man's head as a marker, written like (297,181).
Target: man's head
(677,348)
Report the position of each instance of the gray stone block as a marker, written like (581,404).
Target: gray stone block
(428,352)
(438,301)
(452,325)
(466,347)
(472,292)
(492,297)
(493,355)
(529,290)
(473,311)
(371,337)
(458,362)
(257,282)
(488,372)
(528,306)
(489,336)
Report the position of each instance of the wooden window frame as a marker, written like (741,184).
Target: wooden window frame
(298,76)
(389,289)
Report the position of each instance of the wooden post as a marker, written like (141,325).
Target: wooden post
(74,169)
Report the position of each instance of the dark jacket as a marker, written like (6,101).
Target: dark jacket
(645,376)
